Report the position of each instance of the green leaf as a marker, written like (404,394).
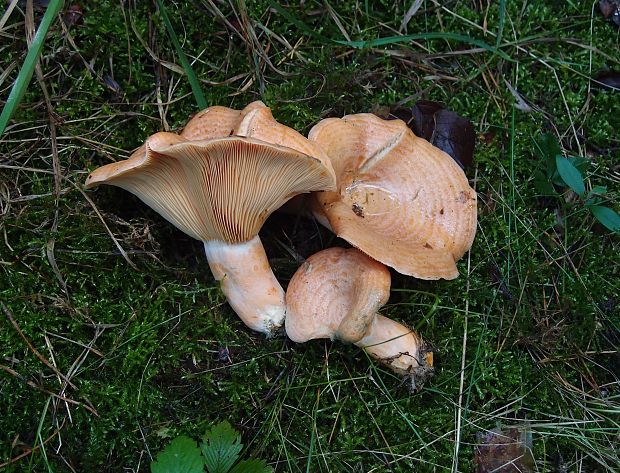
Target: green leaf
(598,190)
(25,73)
(595,196)
(548,148)
(549,145)
(251,466)
(221,447)
(181,456)
(579,162)
(543,185)
(570,175)
(606,216)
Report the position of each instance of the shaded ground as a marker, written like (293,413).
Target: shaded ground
(129,357)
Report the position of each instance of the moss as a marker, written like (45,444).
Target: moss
(146,348)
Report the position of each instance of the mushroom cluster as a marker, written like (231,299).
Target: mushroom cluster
(396,198)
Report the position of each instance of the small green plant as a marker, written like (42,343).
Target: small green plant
(25,74)
(218,452)
(565,172)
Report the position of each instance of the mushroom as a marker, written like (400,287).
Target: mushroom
(221,191)
(399,199)
(254,121)
(336,294)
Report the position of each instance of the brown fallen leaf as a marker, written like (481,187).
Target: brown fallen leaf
(610,10)
(445,129)
(506,450)
(73,15)
(608,80)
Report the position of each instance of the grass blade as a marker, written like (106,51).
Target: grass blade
(193,80)
(25,74)
(425,36)
(391,39)
(502,19)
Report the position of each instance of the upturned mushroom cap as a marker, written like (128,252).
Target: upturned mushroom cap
(221,189)
(399,199)
(335,294)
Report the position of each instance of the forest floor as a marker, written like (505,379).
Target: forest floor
(107,355)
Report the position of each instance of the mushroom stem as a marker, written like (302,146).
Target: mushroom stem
(249,284)
(400,348)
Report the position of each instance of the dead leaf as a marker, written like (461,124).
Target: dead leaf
(445,129)
(610,10)
(73,15)
(608,80)
(507,450)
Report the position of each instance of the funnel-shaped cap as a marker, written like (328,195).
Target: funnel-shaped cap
(221,189)
(254,121)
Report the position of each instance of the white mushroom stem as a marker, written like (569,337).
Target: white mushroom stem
(396,345)
(249,284)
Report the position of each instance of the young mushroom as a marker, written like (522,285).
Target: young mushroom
(336,294)
(399,199)
(221,191)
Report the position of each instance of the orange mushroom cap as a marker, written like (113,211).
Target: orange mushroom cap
(221,189)
(336,294)
(399,199)
(254,121)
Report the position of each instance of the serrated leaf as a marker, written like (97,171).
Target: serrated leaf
(549,145)
(251,466)
(182,455)
(542,185)
(606,216)
(570,175)
(221,446)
